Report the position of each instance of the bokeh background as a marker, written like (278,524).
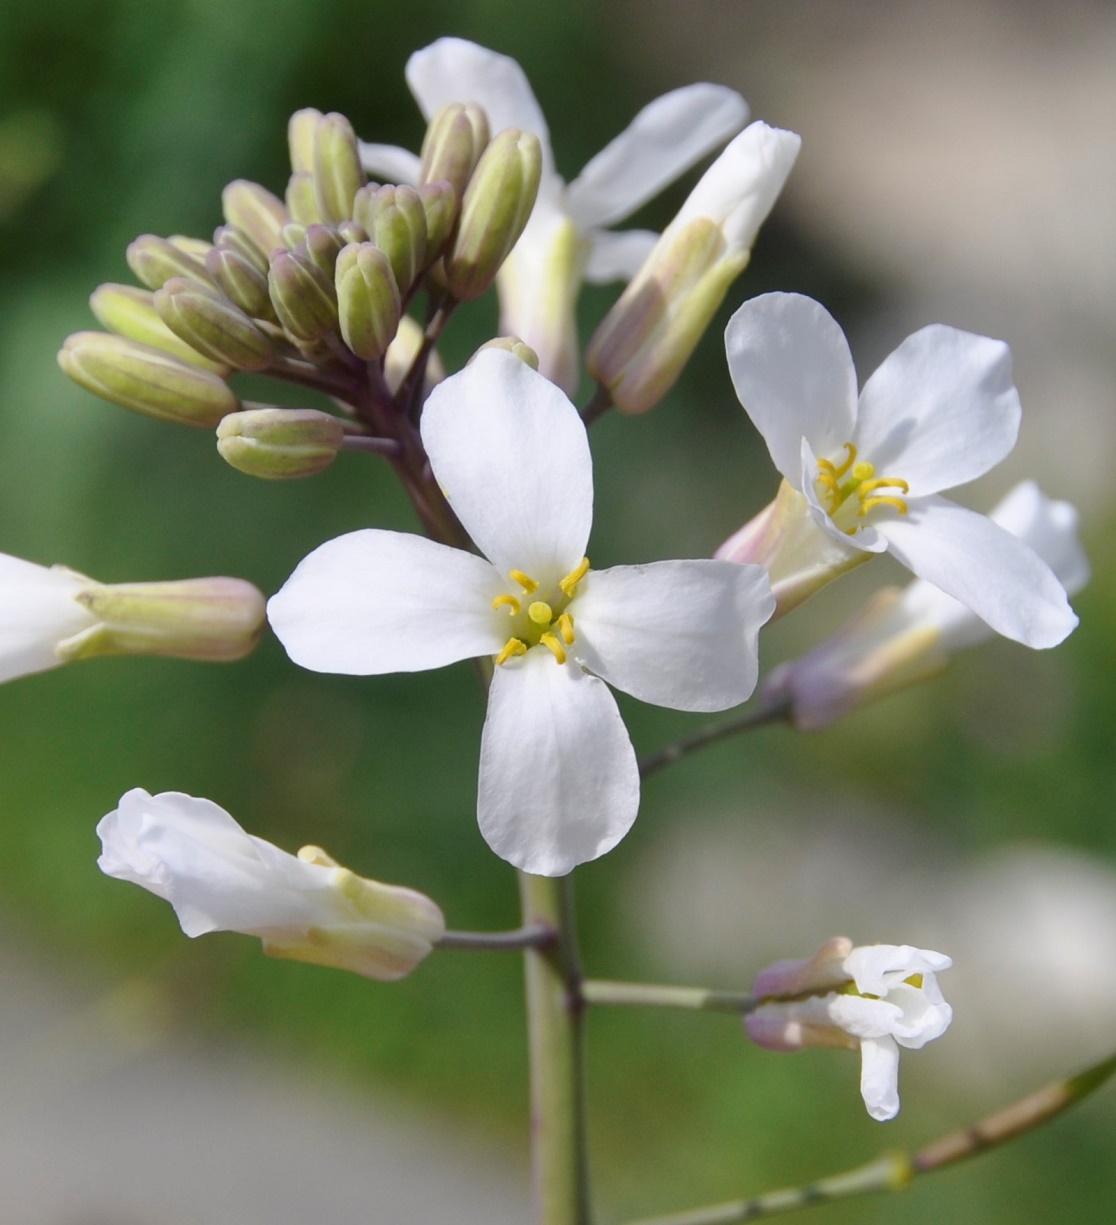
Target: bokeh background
(957,166)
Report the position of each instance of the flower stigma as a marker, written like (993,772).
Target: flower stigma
(543,623)
(851,489)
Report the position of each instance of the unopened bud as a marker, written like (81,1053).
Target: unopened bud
(146,379)
(401,355)
(213,325)
(302,203)
(292,236)
(241,280)
(497,205)
(214,619)
(439,203)
(351,231)
(323,245)
(395,220)
(367,299)
(300,139)
(303,297)
(233,238)
(338,174)
(456,138)
(256,211)
(130,311)
(196,248)
(155,260)
(512,344)
(280,443)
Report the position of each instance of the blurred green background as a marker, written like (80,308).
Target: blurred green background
(119,117)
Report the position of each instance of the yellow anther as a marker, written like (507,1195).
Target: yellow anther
(512,647)
(915,981)
(864,471)
(524,580)
(883,482)
(551,641)
(869,503)
(507,601)
(565,628)
(540,612)
(570,582)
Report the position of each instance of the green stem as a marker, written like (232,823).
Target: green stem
(658,995)
(599,404)
(537,935)
(554,1023)
(759,716)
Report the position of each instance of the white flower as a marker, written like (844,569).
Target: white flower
(39,611)
(191,853)
(567,238)
(876,998)
(558,778)
(864,477)
(904,636)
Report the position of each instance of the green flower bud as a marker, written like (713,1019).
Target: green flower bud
(240,281)
(338,174)
(233,238)
(352,231)
(401,355)
(367,299)
(396,222)
(213,325)
(130,311)
(196,248)
(454,142)
(303,297)
(256,211)
(439,203)
(155,260)
(300,139)
(302,203)
(497,204)
(214,619)
(279,443)
(512,344)
(323,245)
(292,236)
(146,379)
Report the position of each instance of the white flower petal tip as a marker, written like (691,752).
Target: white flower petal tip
(940,411)
(193,854)
(877,998)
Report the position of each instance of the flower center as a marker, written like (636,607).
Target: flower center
(850,490)
(536,622)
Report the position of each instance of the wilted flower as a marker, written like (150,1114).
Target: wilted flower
(863,477)
(876,998)
(558,778)
(191,853)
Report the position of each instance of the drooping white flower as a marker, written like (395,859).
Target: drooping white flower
(567,238)
(906,635)
(191,853)
(558,778)
(50,615)
(864,476)
(875,998)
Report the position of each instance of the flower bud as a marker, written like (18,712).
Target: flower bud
(146,379)
(303,298)
(395,221)
(213,325)
(256,211)
(439,203)
(323,244)
(338,174)
(233,238)
(279,443)
(217,877)
(241,280)
(401,355)
(368,301)
(130,312)
(155,260)
(513,345)
(292,236)
(641,345)
(195,248)
(497,204)
(300,139)
(302,202)
(455,139)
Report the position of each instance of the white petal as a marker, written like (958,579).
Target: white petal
(665,139)
(454,70)
(371,602)
(1048,527)
(511,454)
(793,372)
(871,964)
(617,256)
(879,1077)
(676,633)
(38,610)
(559,784)
(940,411)
(390,164)
(972,559)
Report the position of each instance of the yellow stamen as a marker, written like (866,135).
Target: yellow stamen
(524,580)
(566,628)
(839,472)
(569,584)
(540,613)
(915,981)
(512,647)
(883,482)
(869,503)
(507,601)
(551,641)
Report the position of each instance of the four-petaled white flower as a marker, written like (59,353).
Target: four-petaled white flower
(567,238)
(558,782)
(864,476)
(875,998)
(191,853)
